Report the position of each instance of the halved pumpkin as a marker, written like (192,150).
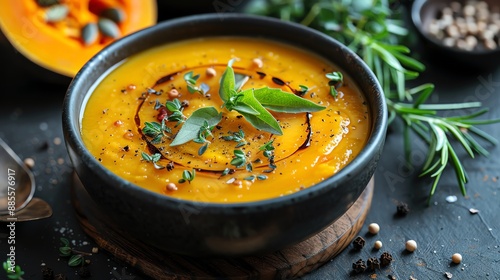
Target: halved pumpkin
(62,35)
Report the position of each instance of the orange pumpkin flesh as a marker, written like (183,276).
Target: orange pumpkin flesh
(58,45)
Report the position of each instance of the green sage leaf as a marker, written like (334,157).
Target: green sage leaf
(227,82)
(264,120)
(280,101)
(191,128)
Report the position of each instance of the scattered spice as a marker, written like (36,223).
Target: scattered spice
(95,250)
(448,275)
(372,263)
(456,258)
(411,245)
(131,87)
(377,245)
(210,72)
(385,259)
(451,198)
(57,141)
(473,211)
(257,62)
(358,243)
(359,266)
(402,209)
(373,228)
(173,93)
(171,187)
(392,277)
(469,26)
(29,162)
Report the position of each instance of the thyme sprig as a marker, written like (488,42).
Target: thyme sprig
(76,257)
(14,272)
(376,31)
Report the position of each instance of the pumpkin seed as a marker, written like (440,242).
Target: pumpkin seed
(47,3)
(56,13)
(89,33)
(115,14)
(108,28)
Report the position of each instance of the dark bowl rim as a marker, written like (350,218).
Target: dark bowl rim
(73,138)
(416,18)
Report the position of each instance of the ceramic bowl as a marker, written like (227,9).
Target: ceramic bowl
(423,16)
(212,229)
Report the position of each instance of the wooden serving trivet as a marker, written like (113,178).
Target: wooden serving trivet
(288,263)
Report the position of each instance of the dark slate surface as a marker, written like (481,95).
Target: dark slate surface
(30,122)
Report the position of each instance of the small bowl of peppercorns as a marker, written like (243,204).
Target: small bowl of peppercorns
(465,31)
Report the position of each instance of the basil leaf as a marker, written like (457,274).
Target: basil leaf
(191,127)
(264,120)
(280,101)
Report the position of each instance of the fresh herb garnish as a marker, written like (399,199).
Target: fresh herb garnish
(336,79)
(155,130)
(76,257)
(239,159)
(187,176)
(176,108)
(200,122)
(191,80)
(268,152)
(252,103)
(14,272)
(377,33)
(303,89)
(205,131)
(153,159)
(238,137)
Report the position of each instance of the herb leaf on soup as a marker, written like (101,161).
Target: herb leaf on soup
(191,128)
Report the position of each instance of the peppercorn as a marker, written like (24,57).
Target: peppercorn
(402,209)
(385,259)
(358,243)
(84,272)
(372,263)
(47,273)
(359,266)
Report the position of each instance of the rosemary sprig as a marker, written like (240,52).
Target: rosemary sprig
(376,31)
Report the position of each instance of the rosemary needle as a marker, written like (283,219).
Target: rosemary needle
(376,31)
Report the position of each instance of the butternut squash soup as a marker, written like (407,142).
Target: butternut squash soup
(225,119)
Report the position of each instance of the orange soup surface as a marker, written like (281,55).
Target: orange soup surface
(139,121)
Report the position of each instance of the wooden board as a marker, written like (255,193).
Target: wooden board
(288,263)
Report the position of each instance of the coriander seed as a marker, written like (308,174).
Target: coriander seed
(171,187)
(29,162)
(373,228)
(456,258)
(411,245)
(173,93)
(210,72)
(377,245)
(257,62)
